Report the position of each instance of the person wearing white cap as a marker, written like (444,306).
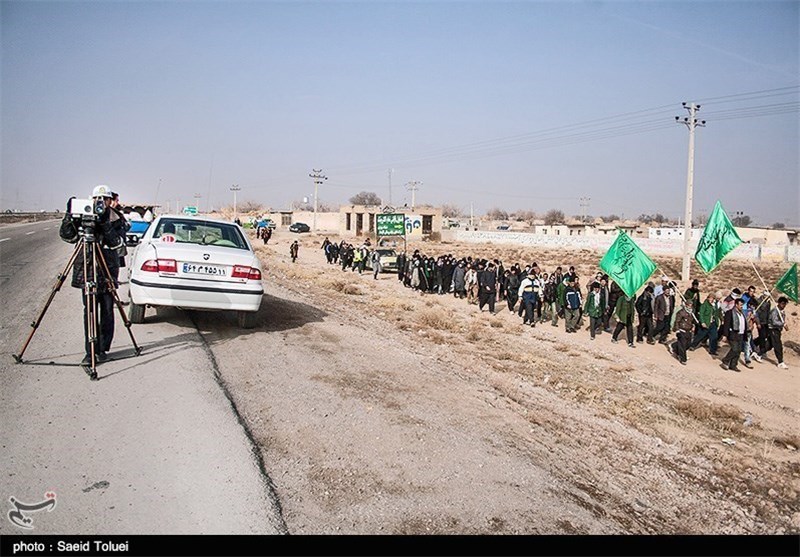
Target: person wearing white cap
(105,237)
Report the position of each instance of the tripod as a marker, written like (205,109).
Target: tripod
(92,255)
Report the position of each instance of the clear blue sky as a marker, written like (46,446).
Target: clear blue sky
(518,105)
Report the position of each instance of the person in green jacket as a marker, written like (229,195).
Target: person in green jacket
(561,298)
(709,317)
(595,307)
(624,313)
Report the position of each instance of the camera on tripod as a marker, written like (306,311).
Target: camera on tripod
(84,209)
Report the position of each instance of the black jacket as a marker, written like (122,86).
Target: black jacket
(487,280)
(107,238)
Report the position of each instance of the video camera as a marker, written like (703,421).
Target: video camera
(86,208)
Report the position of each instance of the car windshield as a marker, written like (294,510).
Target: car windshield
(186,231)
(387,252)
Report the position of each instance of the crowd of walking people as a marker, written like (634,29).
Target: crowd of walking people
(750,322)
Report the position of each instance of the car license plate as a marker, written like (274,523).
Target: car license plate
(197,269)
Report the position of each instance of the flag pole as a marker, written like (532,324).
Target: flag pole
(766,288)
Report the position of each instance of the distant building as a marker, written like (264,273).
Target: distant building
(671,233)
(359,220)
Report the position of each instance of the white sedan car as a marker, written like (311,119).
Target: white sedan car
(195,263)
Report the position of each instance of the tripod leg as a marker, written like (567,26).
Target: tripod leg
(90,298)
(117,301)
(56,287)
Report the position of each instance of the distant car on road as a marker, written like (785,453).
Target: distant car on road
(504,227)
(299,227)
(388,259)
(195,263)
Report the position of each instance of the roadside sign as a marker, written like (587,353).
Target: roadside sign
(392,224)
(190,210)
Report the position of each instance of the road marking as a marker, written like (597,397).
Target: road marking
(4,239)
(29,233)
(48,228)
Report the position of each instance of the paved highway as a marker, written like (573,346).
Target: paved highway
(155,446)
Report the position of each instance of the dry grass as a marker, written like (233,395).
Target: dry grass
(394,303)
(790,440)
(436,319)
(721,417)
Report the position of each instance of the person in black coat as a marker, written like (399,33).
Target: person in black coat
(487,287)
(734,327)
(108,240)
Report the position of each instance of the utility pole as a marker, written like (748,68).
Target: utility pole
(471,215)
(234,189)
(391,170)
(197,197)
(413,186)
(318,178)
(584,207)
(690,122)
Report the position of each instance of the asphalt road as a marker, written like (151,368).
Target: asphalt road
(154,446)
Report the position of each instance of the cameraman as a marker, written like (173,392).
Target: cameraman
(108,239)
(121,227)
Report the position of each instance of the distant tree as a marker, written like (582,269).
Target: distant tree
(610,218)
(700,220)
(658,218)
(451,211)
(365,198)
(326,208)
(778,225)
(249,207)
(554,216)
(496,214)
(523,215)
(741,220)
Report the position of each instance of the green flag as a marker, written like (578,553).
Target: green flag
(627,264)
(788,283)
(718,240)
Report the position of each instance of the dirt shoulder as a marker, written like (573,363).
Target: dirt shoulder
(378,409)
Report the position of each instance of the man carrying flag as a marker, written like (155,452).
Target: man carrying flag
(718,240)
(776,323)
(629,267)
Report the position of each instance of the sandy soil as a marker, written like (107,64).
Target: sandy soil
(420,414)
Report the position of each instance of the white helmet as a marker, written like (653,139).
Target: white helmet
(102,191)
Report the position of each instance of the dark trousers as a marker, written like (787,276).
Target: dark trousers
(607,319)
(104,323)
(775,340)
(628,329)
(662,329)
(645,327)
(486,297)
(594,324)
(709,333)
(511,298)
(681,344)
(530,305)
(731,359)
